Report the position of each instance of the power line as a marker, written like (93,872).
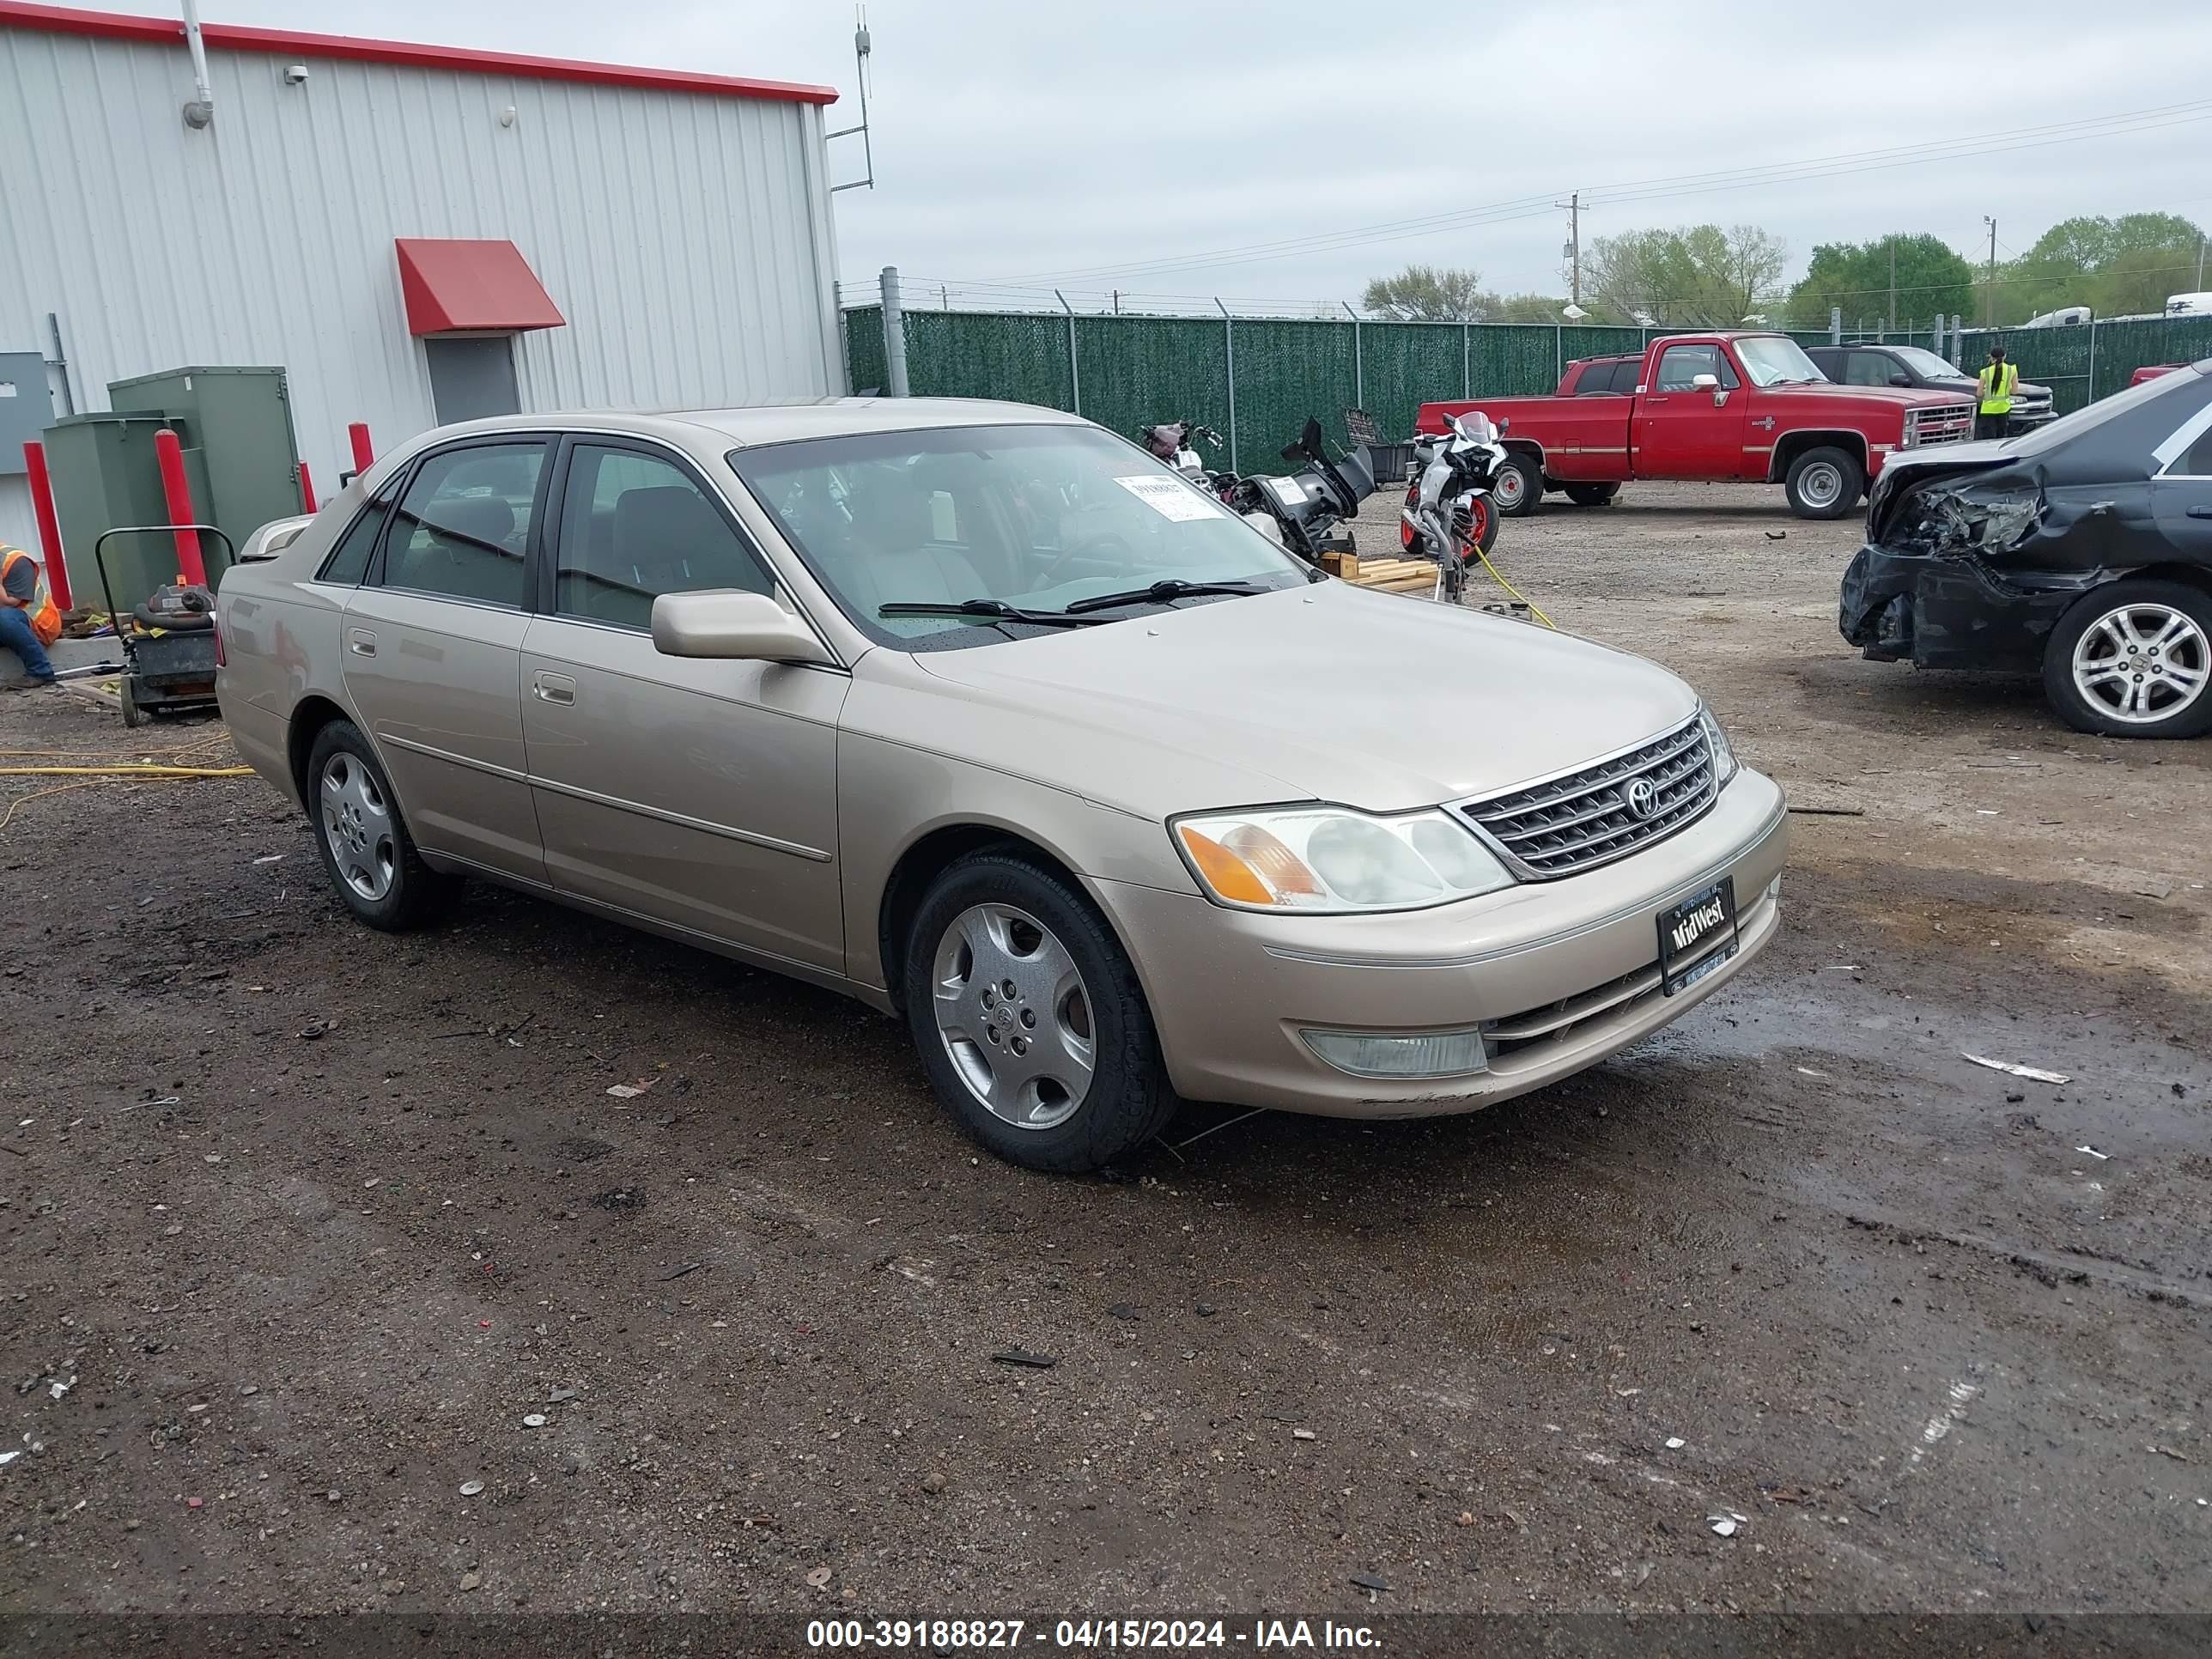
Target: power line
(2119,123)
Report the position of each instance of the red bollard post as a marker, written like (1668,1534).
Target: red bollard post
(364,452)
(307,490)
(176,491)
(50,527)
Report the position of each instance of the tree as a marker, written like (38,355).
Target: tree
(2117,267)
(1930,278)
(1698,274)
(1430,293)
(1526,308)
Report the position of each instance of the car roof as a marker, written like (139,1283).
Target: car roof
(782,423)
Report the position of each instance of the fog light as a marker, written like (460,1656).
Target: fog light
(1415,1055)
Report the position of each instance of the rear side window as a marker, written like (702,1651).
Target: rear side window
(1596,378)
(348,560)
(463,528)
(1626,373)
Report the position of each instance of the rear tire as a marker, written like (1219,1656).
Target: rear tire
(132,716)
(1592,494)
(1519,487)
(2133,660)
(1088,1084)
(1825,483)
(366,851)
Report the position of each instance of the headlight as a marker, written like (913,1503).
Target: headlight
(1331,860)
(1724,757)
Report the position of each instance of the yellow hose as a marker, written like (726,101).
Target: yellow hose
(1515,592)
(124,771)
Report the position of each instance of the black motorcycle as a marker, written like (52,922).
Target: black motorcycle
(1308,508)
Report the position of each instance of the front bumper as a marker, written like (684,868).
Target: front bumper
(1940,611)
(1568,971)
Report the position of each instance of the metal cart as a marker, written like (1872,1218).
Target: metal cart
(165,671)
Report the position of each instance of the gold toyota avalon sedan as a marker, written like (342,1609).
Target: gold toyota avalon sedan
(980,714)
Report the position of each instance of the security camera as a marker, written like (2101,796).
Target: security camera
(294,74)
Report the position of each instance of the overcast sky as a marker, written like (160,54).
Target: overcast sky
(1091,146)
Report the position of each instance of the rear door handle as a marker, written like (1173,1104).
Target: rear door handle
(360,642)
(553,688)
(2200,512)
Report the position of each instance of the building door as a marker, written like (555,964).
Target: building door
(472,377)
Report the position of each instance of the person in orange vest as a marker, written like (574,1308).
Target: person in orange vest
(28,622)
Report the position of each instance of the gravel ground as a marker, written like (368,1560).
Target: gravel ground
(336,1280)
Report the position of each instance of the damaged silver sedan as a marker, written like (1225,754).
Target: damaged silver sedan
(2082,550)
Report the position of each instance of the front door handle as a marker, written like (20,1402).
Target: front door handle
(360,641)
(553,688)
(2200,512)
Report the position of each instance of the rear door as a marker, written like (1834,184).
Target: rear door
(2181,493)
(1586,435)
(432,649)
(1684,431)
(702,794)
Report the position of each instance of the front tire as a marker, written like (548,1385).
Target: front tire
(1592,494)
(1519,486)
(1029,1017)
(1825,483)
(366,851)
(2133,660)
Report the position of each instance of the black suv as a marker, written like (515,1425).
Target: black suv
(1917,366)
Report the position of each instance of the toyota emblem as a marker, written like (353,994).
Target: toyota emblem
(1641,798)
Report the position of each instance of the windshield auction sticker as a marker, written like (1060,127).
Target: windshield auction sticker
(1171,498)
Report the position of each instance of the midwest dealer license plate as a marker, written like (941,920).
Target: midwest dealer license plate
(1687,933)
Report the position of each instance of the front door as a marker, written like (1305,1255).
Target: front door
(700,794)
(432,651)
(1683,430)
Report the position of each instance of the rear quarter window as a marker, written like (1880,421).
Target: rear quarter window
(349,560)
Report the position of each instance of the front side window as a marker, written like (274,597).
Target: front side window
(463,528)
(634,526)
(1035,517)
(1871,369)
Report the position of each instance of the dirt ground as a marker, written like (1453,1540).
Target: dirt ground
(335,1278)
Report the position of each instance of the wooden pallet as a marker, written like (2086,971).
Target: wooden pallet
(1389,575)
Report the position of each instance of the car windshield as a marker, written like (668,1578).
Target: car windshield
(1035,517)
(1775,360)
(1926,364)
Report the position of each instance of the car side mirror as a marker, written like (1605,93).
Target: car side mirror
(731,625)
(1704,382)
(1901,380)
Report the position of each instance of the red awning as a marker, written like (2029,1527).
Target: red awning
(451,285)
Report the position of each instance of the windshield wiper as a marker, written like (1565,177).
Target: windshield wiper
(1159,593)
(988,610)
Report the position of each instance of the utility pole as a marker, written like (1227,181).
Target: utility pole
(2199,264)
(1990,285)
(1891,327)
(1573,204)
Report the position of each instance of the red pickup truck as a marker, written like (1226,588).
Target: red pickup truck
(1714,406)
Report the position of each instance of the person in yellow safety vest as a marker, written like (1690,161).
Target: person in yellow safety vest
(28,622)
(1997,380)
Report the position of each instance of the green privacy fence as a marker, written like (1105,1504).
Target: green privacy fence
(2093,359)
(1255,379)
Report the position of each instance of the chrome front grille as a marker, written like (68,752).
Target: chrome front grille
(1566,825)
(1947,423)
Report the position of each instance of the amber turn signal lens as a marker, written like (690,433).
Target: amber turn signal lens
(1228,875)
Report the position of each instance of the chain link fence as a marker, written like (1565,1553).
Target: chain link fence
(1257,380)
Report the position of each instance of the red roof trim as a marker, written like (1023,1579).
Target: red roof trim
(451,284)
(161,31)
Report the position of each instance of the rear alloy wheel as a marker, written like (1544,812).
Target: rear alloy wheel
(1825,483)
(1519,486)
(1029,1020)
(366,851)
(2133,660)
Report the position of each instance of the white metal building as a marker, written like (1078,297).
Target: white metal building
(671,233)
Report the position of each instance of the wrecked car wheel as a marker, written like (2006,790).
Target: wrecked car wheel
(1825,483)
(2133,660)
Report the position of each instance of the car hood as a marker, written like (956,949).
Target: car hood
(1903,397)
(1329,692)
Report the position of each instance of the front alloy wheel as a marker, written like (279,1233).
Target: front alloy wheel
(1014,1016)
